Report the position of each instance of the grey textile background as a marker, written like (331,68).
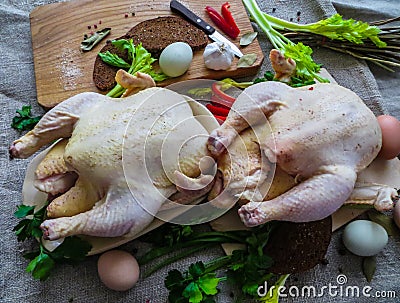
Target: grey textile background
(80,283)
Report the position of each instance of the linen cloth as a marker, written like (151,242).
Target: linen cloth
(379,90)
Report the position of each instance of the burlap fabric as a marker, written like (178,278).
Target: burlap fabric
(81,283)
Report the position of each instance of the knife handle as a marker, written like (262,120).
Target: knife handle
(191,17)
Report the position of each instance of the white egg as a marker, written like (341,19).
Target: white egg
(364,238)
(175,59)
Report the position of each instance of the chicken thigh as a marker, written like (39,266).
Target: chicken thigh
(115,148)
(322,134)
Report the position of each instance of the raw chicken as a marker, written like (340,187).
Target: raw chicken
(322,134)
(117,149)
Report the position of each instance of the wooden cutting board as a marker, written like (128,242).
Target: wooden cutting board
(62,70)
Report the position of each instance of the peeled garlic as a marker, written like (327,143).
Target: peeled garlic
(218,56)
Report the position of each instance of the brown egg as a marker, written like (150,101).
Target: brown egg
(390,127)
(118,270)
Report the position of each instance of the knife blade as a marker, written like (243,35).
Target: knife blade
(212,33)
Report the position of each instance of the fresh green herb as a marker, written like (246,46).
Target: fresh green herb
(294,82)
(41,265)
(73,249)
(268,76)
(89,42)
(196,285)
(246,268)
(114,60)
(140,61)
(28,227)
(24,119)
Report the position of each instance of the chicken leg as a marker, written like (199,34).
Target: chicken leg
(116,214)
(311,200)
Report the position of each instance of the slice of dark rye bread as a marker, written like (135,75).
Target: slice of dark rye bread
(297,247)
(155,35)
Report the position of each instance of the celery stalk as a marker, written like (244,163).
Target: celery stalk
(306,68)
(333,27)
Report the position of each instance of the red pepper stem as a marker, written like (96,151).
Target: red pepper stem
(226,13)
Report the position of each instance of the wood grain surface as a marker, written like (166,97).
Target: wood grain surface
(62,70)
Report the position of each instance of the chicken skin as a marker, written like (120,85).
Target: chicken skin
(322,134)
(115,148)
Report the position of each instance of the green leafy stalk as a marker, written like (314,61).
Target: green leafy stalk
(186,252)
(306,68)
(140,61)
(246,268)
(334,28)
(383,52)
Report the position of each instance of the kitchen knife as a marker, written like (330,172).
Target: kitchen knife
(179,8)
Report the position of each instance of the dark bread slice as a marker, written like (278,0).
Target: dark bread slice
(297,247)
(155,35)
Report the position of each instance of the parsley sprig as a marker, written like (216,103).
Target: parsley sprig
(245,268)
(73,249)
(24,119)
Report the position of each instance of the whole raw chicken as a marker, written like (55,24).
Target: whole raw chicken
(322,134)
(115,150)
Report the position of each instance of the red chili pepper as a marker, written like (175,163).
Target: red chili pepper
(220,119)
(221,23)
(218,101)
(226,13)
(218,110)
(216,89)
(221,106)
